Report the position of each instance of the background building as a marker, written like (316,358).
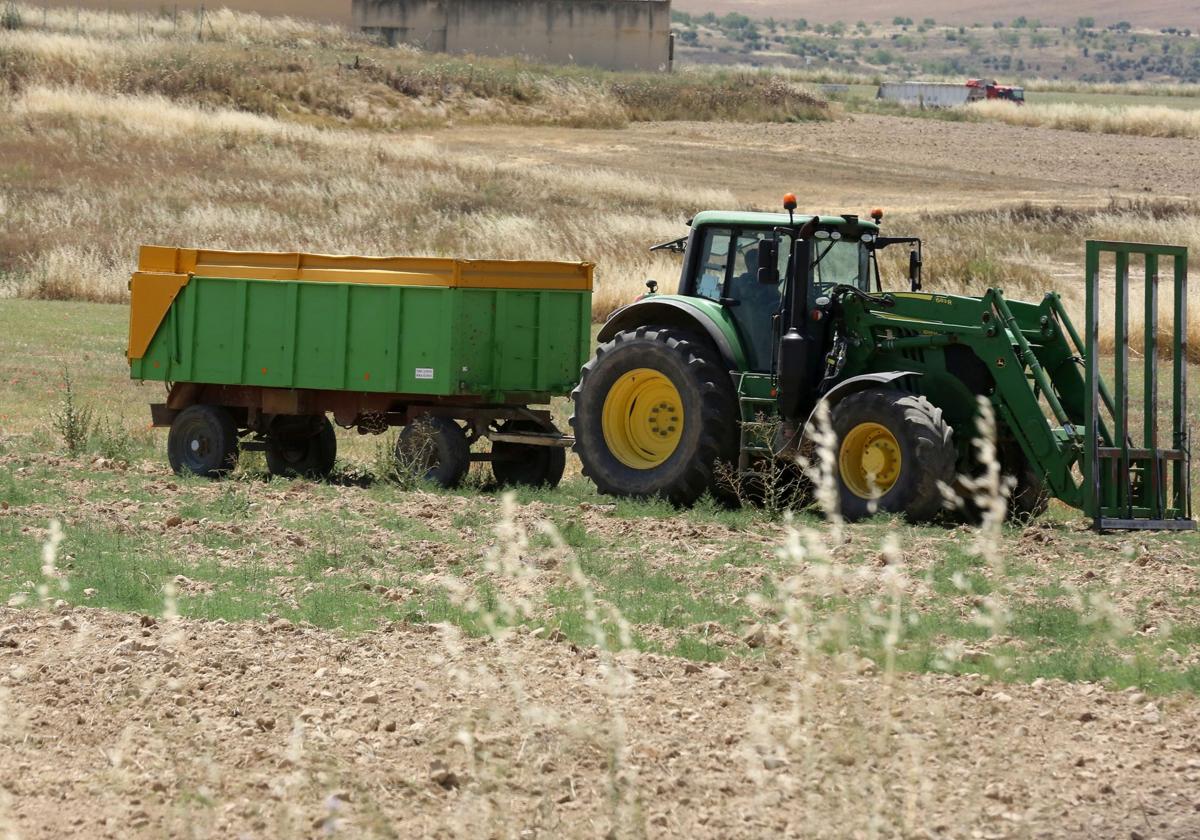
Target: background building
(613,34)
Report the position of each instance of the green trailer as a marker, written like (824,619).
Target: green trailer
(259,350)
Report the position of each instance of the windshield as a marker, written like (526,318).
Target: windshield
(839,262)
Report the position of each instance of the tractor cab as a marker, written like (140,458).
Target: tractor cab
(745,263)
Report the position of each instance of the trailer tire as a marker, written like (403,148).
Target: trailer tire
(628,443)
(526,464)
(900,440)
(304,453)
(203,441)
(435,450)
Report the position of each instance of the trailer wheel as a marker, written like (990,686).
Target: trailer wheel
(434,449)
(893,450)
(305,450)
(203,441)
(654,414)
(527,464)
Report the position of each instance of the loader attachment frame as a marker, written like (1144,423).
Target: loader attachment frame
(1130,480)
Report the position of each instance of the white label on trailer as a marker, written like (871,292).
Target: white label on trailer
(424,373)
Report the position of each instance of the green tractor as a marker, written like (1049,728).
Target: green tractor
(778,312)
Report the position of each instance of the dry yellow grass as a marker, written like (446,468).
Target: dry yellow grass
(107,173)
(220,24)
(112,139)
(320,74)
(1141,120)
(1030,250)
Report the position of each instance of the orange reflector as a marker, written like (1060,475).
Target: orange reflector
(264,370)
(877,214)
(789,201)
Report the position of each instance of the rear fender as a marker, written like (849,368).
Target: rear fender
(681,314)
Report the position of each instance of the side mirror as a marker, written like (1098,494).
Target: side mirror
(768,262)
(914,270)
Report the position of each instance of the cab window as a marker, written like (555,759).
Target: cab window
(714,263)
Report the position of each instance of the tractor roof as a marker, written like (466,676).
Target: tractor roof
(749,219)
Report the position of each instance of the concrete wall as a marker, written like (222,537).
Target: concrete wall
(614,34)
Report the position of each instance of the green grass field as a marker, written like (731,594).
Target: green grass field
(1053,600)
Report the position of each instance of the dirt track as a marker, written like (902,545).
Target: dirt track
(903,164)
(120,729)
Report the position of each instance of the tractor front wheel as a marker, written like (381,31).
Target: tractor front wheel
(655,414)
(1030,497)
(893,450)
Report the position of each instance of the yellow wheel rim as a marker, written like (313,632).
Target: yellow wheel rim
(870,460)
(642,419)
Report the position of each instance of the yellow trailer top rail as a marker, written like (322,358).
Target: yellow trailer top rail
(544,275)
(163,272)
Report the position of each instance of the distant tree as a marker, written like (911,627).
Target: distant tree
(690,37)
(733,20)
(1021,22)
(929,22)
(801,25)
(1085,23)
(997,24)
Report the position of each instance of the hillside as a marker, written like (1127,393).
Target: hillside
(1152,14)
(337,11)
(1015,49)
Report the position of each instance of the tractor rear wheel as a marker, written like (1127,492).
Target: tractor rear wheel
(893,451)
(527,464)
(203,441)
(302,447)
(655,413)
(434,449)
